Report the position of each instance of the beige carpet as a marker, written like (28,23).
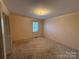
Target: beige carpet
(41,48)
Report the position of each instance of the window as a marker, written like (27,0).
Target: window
(35,26)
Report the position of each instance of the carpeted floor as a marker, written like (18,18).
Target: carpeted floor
(41,48)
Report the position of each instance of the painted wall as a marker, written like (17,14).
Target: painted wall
(21,27)
(63,29)
(4,8)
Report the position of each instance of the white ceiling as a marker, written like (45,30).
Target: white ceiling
(57,7)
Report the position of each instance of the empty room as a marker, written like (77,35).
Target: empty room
(39,29)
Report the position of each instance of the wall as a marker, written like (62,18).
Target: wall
(21,27)
(4,8)
(63,29)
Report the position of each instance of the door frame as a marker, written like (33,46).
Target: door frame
(2,32)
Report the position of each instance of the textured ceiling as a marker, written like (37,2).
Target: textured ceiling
(57,7)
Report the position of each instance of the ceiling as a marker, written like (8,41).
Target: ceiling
(56,7)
